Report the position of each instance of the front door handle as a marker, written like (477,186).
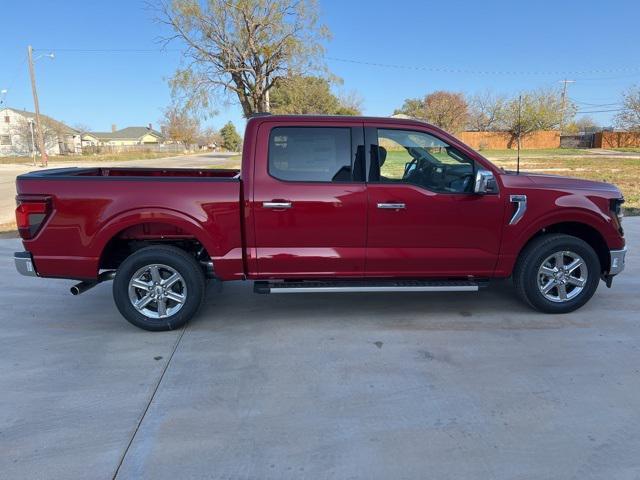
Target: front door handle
(392,206)
(278,204)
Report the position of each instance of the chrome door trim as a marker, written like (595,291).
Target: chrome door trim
(521,203)
(392,206)
(276,204)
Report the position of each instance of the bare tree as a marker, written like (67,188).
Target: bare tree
(180,125)
(242,47)
(583,124)
(447,110)
(486,111)
(26,131)
(629,117)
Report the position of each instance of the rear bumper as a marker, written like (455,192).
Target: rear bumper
(24,264)
(617,258)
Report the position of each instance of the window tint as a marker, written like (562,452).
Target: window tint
(417,158)
(310,154)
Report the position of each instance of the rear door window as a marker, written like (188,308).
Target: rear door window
(310,154)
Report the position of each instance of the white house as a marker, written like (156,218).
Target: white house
(124,137)
(18,134)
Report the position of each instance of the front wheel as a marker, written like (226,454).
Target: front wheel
(557,273)
(159,288)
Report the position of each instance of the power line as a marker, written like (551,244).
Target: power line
(440,69)
(600,111)
(488,72)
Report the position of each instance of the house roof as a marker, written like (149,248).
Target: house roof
(45,118)
(129,133)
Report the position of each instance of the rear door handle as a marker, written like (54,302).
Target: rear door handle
(392,206)
(274,204)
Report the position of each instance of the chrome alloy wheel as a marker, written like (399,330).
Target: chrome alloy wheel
(562,276)
(157,291)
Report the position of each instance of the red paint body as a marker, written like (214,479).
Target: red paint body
(333,229)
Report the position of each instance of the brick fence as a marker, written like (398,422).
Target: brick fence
(504,140)
(616,139)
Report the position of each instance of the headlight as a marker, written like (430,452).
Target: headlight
(616,209)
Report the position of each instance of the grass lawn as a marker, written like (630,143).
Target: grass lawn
(542,152)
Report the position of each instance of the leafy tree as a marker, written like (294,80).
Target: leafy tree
(629,117)
(242,47)
(306,95)
(180,125)
(486,111)
(447,110)
(231,140)
(538,110)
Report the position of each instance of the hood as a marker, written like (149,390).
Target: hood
(558,182)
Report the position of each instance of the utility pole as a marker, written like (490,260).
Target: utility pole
(564,101)
(40,135)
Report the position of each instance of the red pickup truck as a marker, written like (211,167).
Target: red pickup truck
(321,204)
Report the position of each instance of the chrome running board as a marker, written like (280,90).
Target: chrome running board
(346,286)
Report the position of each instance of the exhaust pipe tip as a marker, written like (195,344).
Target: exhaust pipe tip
(82,287)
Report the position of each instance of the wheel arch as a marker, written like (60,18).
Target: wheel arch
(156,226)
(581,230)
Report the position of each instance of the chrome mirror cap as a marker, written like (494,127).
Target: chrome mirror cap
(485,182)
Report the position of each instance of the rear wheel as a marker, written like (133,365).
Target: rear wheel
(557,273)
(159,288)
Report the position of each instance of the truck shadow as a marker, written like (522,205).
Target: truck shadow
(495,307)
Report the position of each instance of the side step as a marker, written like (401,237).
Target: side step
(312,286)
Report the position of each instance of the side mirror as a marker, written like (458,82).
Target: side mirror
(485,182)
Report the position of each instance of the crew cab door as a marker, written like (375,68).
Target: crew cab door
(310,201)
(424,219)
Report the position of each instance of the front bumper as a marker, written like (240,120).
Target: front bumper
(24,264)
(617,258)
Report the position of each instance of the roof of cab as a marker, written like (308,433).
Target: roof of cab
(267,117)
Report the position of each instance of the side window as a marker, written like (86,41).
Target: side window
(310,154)
(5,139)
(406,156)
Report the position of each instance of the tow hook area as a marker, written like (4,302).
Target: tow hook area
(82,287)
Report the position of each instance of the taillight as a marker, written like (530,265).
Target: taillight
(31,212)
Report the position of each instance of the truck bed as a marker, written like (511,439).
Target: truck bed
(91,207)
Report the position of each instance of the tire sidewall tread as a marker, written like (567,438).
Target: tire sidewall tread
(526,271)
(174,257)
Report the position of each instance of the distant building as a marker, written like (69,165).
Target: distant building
(123,137)
(18,134)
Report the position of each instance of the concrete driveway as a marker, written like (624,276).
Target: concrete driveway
(358,386)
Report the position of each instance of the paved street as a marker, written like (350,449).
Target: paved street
(8,174)
(359,386)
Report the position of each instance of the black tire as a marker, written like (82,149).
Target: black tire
(526,274)
(192,285)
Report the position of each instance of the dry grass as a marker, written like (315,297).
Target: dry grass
(78,159)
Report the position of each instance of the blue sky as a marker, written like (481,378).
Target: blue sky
(542,39)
